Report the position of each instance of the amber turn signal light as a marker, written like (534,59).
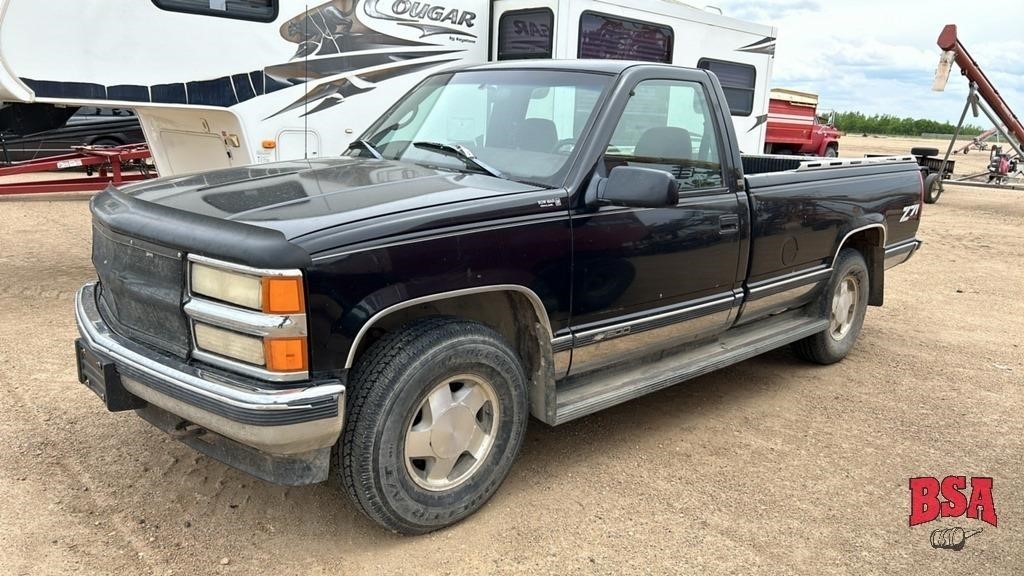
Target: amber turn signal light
(283,295)
(268,144)
(286,354)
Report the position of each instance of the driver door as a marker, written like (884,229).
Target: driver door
(646,279)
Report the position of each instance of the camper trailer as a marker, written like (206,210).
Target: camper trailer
(220,83)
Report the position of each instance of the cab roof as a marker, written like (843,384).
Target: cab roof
(575,65)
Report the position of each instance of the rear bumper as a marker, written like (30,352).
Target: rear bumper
(900,253)
(296,420)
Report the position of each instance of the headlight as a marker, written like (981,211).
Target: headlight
(250,320)
(270,294)
(241,289)
(231,344)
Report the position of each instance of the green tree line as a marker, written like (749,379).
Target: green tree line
(858,123)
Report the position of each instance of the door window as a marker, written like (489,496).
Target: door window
(667,125)
(525,34)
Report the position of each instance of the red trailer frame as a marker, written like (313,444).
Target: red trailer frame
(107,162)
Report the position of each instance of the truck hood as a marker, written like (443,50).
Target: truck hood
(301,197)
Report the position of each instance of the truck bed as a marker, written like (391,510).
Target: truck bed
(803,207)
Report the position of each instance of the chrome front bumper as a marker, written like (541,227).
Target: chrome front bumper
(272,419)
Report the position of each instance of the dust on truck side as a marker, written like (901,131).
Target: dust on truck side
(795,127)
(544,239)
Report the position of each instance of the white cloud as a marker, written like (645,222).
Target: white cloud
(879,56)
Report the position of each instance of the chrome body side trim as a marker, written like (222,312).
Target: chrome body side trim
(561,343)
(541,312)
(275,420)
(604,353)
(900,253)
(561,350)
(562,361)
(586,337)
(599,347)
(774,286)
(781,294)
(778,302)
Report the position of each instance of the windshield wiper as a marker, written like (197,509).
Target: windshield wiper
(364,145)
(462,153)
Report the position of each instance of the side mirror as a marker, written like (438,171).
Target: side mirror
(637,187)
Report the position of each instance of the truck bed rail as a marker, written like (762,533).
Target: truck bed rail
(764,163)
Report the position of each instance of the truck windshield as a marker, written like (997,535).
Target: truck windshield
(522,124)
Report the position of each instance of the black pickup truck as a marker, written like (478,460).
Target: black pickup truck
(541,239)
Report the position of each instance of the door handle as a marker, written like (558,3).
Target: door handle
(728,224)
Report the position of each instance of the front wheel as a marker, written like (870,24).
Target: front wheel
(831,152)
(844,303)
(436,415)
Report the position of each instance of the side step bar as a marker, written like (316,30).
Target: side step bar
(589,393)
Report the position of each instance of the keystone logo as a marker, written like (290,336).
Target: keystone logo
(931,499)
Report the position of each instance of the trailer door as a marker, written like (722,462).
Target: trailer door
(523,29)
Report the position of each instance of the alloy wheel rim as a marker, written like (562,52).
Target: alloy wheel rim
(844,307)
(451,432)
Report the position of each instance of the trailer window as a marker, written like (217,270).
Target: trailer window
(667,125)
(737,82)
(525,34)
(610,38)
(256,10)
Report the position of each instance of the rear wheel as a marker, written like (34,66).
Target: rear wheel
(844,303)
(932,188)
(436,416)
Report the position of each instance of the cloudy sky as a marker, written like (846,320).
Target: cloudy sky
(879,56)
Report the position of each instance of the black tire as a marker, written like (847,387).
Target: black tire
(922,151)
(828,347)
(387,390)
(932,188)
(831,151)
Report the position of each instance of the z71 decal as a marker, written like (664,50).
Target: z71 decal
(910,212)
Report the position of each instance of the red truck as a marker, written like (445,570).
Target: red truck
(794,126)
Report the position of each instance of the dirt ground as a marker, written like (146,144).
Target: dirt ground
(772,466)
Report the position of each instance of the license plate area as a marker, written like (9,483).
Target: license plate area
(100,375)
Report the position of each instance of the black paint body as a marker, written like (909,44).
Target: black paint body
(379,232)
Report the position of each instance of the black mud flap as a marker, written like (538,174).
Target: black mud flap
(100,375)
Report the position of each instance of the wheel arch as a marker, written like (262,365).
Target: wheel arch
(869,240)
(502,307)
